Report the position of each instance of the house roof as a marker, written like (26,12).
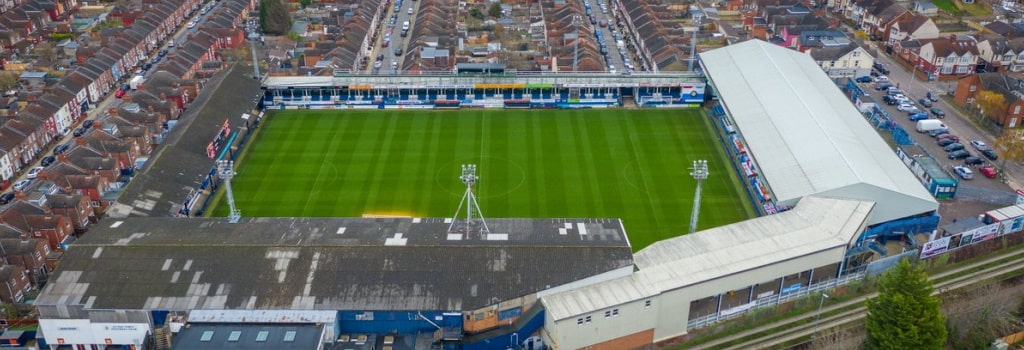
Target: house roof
(806,136)
(328,263)
(832,53)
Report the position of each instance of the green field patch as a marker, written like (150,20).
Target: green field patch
(615,163)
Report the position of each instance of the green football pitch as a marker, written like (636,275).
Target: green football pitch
(614,163)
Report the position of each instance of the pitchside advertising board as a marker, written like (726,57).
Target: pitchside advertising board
(972,236)
(58,332)
(693,93)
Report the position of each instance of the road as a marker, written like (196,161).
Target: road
(608,31)
(771,335)
(957,123)
(400,11)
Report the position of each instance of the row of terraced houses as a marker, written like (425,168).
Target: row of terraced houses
(71,194)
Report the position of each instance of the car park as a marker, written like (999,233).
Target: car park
(945,142)
(47,160)
(6,198)
(988,171)
(961,154)
(918,116)
(34,172)
(990,154)
(963,172)
(938,113)
(925,102)
(956,146)
(978,145)
(21,185)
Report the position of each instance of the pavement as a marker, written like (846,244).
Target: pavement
(958,124)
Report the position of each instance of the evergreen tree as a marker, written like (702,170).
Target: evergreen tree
(905,315)
(274,17)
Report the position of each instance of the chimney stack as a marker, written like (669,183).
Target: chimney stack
(79,140)
(20,195)
(112,111)
(62,158)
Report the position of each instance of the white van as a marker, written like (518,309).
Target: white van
(405,25)
(929,125)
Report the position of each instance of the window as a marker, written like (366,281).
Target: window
(973,88)
(856,53)
(588,319)
(962,69)
(965,59)
(647,303)
(1016,109)
(615,312)
(1007,57)
(939,61)
(289,336)
(234,335)
(947,69)
(207,336)
(608,314)
(579,321)
(262,336)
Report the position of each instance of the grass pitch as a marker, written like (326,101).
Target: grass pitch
(617,163)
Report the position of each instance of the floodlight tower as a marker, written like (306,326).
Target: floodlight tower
(693,42)
(699,171)
(469,200)
(226,171)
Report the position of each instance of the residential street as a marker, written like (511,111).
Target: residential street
(957,123)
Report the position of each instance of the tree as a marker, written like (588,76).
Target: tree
(305,3)
(983,312)
(476,13)
(46,51)
(1010,146)
(8,81)
(274,17)
(494,10)
(905,315)
(991,103)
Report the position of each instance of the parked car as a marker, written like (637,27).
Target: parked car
(956,146)
(21,185)
(961,154)
(990,154)
(934,97)
(87,123)
(979,145)
(918,116)
(938,113)
(881,78)
(963,172)
(162,53)
(925,102)
(904,107)
(119,93)
(46,161)
(34,172)
(889,100)
(937,132)
(882,86)
(61,149)
(398,51)
(974,161)
(988,171)
(79,132)
(377,64)
(945,142)
(949,136)
(6,198)
(864,79)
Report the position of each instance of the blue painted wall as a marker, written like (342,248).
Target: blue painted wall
(504,341)
(381,322)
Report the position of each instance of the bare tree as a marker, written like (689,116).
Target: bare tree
(838,339)
(8,81)
(979,314)
(46,51)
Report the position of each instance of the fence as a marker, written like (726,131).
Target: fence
(986,195)
(707,320)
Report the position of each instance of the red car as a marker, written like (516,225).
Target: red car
(948,136)
(989,172)
(119,94)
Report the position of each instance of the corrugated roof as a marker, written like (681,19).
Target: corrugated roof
(816,224)
(805,134)
(327,263)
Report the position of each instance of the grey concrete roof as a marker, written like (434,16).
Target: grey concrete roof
(327,263)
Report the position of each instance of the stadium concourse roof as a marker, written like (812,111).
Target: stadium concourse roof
(327,263)
(805,135)
(816,224)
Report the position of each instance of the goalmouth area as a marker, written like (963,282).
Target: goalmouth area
(615,163)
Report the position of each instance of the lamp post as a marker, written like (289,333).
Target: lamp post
(818,317)
(913,74)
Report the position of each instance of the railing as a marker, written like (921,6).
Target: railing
(710,319)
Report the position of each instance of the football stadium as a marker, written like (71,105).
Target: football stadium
(490,211)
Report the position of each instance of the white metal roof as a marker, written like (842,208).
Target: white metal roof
(814,225)
(805,135)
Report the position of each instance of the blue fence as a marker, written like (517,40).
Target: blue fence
(897,229)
